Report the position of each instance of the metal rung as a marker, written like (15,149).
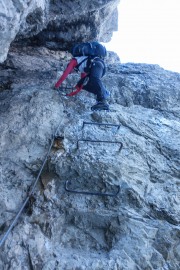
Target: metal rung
(101,124)
(91,192)
(97,141)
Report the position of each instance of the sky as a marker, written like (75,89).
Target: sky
(148,32)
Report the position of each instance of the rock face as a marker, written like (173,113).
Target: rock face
(137,229)
(28,17)
(56,24)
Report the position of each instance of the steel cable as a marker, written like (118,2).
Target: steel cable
(2,240)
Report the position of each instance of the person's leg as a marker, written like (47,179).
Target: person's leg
(95,84)
(102,95)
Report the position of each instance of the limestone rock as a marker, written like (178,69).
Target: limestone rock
(14,17)
(137,229)
(56,24)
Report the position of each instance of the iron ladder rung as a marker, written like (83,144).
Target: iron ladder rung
(91,192)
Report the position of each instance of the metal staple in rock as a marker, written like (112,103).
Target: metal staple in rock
(2,240)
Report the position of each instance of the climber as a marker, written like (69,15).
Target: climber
(92,68)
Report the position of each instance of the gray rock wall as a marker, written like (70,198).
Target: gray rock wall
(137,229)
(14,17)
(63,22)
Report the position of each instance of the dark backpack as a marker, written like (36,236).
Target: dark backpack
(89,49)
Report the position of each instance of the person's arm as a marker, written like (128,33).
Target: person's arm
(78,89)
(79,85)
(83,74)
(68,70)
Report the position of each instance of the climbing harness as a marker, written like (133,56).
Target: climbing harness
(68,182)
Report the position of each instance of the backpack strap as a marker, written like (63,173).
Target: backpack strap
(98,59)
(77,67)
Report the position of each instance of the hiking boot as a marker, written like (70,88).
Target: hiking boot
(105,94)
(99,106)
